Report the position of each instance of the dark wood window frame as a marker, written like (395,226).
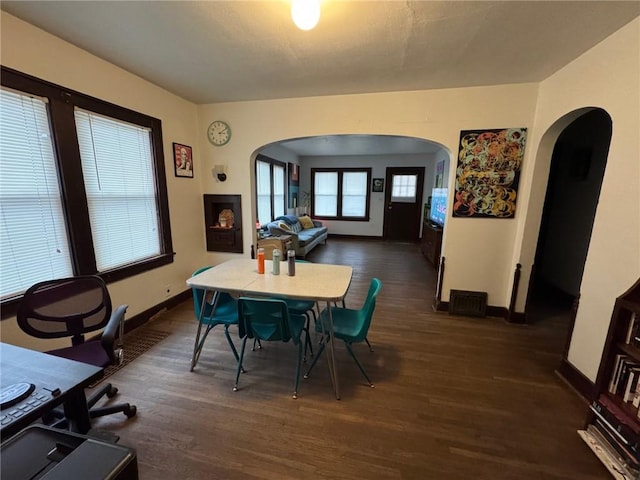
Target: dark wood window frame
(340,172)
(62,102)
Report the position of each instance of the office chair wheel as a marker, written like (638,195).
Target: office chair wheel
(112,392)
(130,411)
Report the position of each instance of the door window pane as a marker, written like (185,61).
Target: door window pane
(404,188)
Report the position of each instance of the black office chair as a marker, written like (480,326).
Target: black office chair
(72,307)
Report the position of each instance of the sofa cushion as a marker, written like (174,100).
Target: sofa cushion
(306,222)
(309,235)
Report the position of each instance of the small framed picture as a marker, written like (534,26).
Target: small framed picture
(183,160)
(378,185)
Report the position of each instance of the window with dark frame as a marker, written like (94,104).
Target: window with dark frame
(270,189)
(83,187)
(341,193)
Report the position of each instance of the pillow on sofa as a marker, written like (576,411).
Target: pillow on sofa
(284,226)
(306,221)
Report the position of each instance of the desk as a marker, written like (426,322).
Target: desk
(57,381)
(313,281)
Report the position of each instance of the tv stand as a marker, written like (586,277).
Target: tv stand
(431,242)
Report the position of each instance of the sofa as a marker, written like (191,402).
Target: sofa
(305,233)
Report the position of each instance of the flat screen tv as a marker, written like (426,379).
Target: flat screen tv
(438,212)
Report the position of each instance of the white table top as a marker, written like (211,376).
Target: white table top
(312,281)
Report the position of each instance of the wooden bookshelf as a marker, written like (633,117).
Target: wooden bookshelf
(613,422)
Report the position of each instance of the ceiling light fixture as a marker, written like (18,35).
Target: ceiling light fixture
(305,13)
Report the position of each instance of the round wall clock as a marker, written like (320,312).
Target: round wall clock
(219,133)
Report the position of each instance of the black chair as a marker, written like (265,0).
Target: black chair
(73,307)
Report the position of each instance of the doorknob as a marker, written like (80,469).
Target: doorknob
(390,207)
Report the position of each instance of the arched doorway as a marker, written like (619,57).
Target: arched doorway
(575,177)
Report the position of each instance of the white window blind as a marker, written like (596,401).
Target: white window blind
(117,167)
(263,190)
(33,239)
(354,194)
(326,194)
(403,188)
(278,191)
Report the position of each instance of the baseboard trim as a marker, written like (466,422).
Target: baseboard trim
(517,317)
(492,311)
(143,317)
(354,237)
(575,379)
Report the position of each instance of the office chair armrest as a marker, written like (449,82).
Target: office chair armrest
(113,331)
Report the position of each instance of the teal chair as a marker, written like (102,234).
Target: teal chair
(304,307)
(350,326)
(269,319)
(226,314)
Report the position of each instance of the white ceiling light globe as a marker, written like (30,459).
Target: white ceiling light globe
(305,13)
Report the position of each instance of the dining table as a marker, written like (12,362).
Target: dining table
(317,282)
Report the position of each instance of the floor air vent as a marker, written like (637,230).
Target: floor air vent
(464,302)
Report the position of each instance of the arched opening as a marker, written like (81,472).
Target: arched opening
(575,177)
(378,151)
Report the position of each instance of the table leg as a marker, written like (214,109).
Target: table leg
(331,358)
(207,297)
(76,411)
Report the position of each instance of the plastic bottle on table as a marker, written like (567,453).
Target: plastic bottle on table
(276,262)
(291,262)
(261,260)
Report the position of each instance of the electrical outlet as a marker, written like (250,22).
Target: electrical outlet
(167,290)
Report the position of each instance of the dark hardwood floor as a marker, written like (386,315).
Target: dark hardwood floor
(454,397)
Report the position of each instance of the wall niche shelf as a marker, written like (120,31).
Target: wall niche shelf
(223,223)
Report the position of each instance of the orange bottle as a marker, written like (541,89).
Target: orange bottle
(261,260)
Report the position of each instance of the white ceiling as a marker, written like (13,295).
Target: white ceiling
(223,51)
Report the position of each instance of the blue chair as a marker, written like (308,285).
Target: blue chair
(269,319)
(303,307)
(226,313)
(350,326)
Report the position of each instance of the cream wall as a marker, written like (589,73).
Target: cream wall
(35,52)
(608,77)
(473,247)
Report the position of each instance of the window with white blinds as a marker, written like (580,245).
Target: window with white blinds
(33,234)
(325,194)
(270,189)
(342,194)
(82,188)
(120,187)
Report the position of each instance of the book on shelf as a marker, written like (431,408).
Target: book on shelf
(632,382)
(632,329)
(620,422)
(613,465)
(620,377)
(617,448)
(615,376)
(636,397)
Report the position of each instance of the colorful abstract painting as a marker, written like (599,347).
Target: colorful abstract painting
(488,172)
